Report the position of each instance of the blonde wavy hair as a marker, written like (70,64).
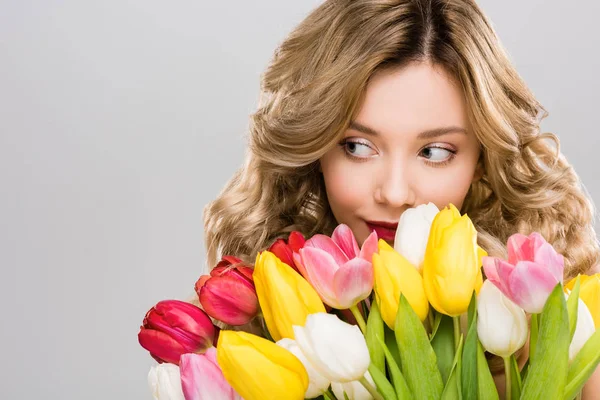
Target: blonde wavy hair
(313,88)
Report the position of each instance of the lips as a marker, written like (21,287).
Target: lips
(384,230)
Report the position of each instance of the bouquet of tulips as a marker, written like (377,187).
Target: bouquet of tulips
(325,318)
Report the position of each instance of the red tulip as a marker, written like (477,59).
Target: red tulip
(228,293)
(172,328)
(284,250)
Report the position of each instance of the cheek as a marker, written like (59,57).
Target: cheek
(448,189)
(347,187)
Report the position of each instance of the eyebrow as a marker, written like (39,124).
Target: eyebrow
(428,134)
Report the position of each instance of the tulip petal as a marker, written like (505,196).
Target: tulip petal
(259,369)
(327,244)
(546,255)
(336,349)
(202,379)
(369,247)
(282,251)
(165,382)
(320,271)
(530,285)
(353,282)
(519,249)
(296,241)
(162,346)
(492,266)
(229,299)
(344,238)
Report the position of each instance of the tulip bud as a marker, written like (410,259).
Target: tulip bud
(258,369)
(284,250)
(285,297)
(341,274)
(353,390)
(413,233)
(394,276)
(452,264)
(335,348)
(228,293)
(165,382)
(583,330)
(531,273)
(202,378)
(317,383)
(589,292)
(501,324)
(172,328)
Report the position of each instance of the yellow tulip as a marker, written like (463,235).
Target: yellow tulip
(259,369)
(285,297)
(395,275)
(589,292)
(452,264)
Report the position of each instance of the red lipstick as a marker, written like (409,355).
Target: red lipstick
(384,230)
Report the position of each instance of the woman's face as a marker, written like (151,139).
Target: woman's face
(410,144)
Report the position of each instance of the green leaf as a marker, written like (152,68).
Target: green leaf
(374,329)
(392,346)
(486,387)
(443,346)
(381,382)
(515,378)
(583,365)
(469,355)
(547,374)
(572,304)
(436,322)
(417,358)
(402,390)
(452,389)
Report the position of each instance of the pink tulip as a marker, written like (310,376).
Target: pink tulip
(202,378)
(284,250)
(339,271)
(172,328)
(228,293)
(532,271)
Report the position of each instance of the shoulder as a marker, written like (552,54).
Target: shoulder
(594,270)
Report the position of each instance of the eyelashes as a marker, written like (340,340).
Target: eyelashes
(349,146)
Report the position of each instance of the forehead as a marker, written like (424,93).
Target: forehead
(412,99)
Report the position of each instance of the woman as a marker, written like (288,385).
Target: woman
(371,107)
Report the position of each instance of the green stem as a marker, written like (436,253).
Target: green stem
(508,378)
(533,335)
(370,388)
(359,318)
(456,321)
(578,396)
(328,395)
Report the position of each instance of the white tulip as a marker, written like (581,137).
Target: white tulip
(317,383)
(501,324)
(335,348)
(354,390)
(165,382)
(583,330)
(413,233)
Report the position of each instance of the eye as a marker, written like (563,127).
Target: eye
(437,154)
(357,149)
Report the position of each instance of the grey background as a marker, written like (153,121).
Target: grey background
(120,120)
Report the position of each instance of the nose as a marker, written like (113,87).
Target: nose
(394,187)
